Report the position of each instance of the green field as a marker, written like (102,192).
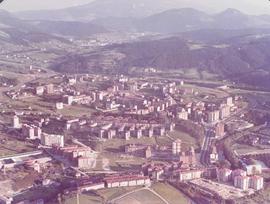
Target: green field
(143,196)
(171,194)
(99,196)
(76,111)
(6,148)
(140,197)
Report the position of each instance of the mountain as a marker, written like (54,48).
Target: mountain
(66,28)
(187,19)
(176,20)
(234,19)
(15,30)
(102,9)
(243,60)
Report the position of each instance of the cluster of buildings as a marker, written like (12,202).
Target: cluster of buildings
(124,129)
(200,111)
(34,131)
(81,157)
(243,179)
(113,181)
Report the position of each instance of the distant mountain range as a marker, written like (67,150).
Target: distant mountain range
(230,44)
(15,30)
(103,9)
(170,21)
(149,15)
(182,20)
(186,19)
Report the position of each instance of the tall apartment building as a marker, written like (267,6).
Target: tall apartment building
(213,116)
(241,182)
(16,122)
(224,111)
(176,147)
(256,182)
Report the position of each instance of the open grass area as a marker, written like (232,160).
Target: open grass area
(7,147)
(171,194)
(140,197)
(84,199)
(76,111)
(144,196)
(187,140)
(99,197)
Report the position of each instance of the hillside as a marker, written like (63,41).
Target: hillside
(245,61)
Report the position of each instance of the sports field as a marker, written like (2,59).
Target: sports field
(140,197)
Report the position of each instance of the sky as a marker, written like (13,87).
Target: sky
(247,6)
(22,5)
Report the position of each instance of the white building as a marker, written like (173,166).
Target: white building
(52,140)
(213,116)
(229,101)
(16,122)
(59,106)
(224,111)
(176,147)
(253,169)
(241,182)
(183,114)
(40,90)
(186,175)
(256,182)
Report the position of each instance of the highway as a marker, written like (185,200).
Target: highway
(207,143)
(210,136)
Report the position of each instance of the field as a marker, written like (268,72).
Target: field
(7,143)
(186,139)
(171,194)
(84,199)
(99,196)
(76,111)
(140,197)
(162,194)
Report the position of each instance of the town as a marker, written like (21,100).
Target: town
(76,134)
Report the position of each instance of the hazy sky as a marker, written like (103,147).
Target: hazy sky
(19,5)
(248,6)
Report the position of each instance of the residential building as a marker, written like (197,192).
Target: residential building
(213,116)
(176,147)
(40,90)
(241,182)
(16,122)
(186,175)
(224,174)
(256,183)
(52,140)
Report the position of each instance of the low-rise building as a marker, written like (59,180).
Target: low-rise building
(253,169)
(127,181)
(224,174)
(52,140)
(186,175)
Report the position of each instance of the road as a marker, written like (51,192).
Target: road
(206,147)
(210,136)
